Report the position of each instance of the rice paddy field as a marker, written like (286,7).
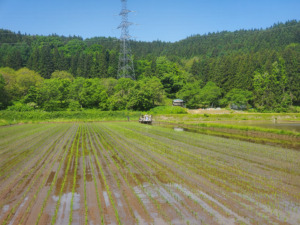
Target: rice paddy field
(129,173)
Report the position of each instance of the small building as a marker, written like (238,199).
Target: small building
(178,102)
(238,106)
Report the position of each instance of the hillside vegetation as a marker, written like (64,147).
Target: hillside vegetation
(257,68)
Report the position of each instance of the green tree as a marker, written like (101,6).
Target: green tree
(270,89)
(74,106)
(109,85)
(112,70)
(19,82)
(32,95)
(53,94)
(10,88)
(121,90)
(33,61)
(143,68)
(291,56)
(62,75)
(104,63)
(146,94)
(92,93)
(14,59)
(210,95)
(25,79)
(73,47)
(46,67)
(76,88)
(3,96)
(237,97)
(170,75)
(190,94)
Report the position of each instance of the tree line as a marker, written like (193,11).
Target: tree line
(246,68)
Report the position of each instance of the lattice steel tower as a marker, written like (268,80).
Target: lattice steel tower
(126,68)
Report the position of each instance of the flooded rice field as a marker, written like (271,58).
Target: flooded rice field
(128,173)
(274,124)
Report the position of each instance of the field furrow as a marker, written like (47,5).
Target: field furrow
(129,173)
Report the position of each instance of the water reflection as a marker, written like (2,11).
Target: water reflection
(178,129)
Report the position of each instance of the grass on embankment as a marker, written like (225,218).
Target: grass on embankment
(11,117)
(247,128)
(234,116)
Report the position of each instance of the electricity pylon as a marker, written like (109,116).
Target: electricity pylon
(126,68)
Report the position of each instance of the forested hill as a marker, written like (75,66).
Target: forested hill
(265,62)
(277,37)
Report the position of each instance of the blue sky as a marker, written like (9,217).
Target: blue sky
(166,20)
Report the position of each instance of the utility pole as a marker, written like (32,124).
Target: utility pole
(126,68)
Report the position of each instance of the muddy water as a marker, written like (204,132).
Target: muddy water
(64,209)
(287,141)
(289,126)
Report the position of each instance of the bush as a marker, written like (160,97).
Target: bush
(74,106)
(20,107)
(52,105)
(168,110)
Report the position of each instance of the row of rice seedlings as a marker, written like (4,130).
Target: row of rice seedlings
(106,184)
(228,169)
(183,162)
(67,150)
(183,158)
(117,179)
(151,197)
(12,149)
(18,137)
(8,133)
(34,166)
(26,151)
(167,189)
(253,206)
(14,208)
(95,182)
(184,138)
(264,189)
(54,217)
(57,151)
(34,154)
(194,213)
(74,177)
(83,147)
(108,164)
(232,169)
(188,162)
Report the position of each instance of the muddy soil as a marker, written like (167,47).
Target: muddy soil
(130,173)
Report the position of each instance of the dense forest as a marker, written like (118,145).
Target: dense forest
(257,68)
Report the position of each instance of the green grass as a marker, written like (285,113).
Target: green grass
(13,117)
(246,128)
(167,110)
(161,113)
(228,117)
